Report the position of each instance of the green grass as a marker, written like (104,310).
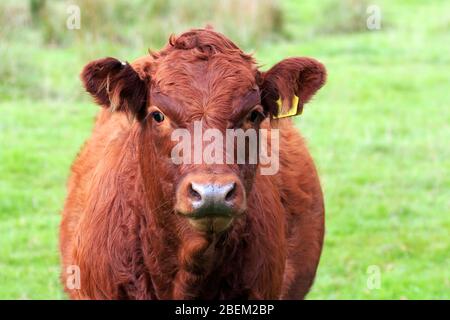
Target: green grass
(378,130)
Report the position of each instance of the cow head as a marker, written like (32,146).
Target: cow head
(201,82)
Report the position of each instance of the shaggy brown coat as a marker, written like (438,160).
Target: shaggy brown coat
(118,224)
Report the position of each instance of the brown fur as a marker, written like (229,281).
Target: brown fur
(118,222)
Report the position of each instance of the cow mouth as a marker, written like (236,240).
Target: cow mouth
(211,224)
(215,211)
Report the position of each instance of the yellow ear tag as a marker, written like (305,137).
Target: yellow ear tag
(291,112)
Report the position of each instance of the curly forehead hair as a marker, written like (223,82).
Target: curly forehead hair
(203,43)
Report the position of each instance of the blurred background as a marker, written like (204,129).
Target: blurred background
(379,130)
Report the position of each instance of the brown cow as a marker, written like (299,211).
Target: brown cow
(138,226)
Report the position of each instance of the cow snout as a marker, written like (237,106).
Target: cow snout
(210,198)
(210,202)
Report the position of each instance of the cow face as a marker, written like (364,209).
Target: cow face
(192,100)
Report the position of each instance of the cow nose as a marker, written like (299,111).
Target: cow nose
(209,198)
(212,198)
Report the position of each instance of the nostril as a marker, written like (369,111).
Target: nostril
(193,194)
(231,193)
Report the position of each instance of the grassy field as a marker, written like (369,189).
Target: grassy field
(379,132)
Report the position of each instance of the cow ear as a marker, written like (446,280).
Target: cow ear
(116,85)
(291,83)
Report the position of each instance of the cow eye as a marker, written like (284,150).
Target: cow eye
(157,116)
(256,115)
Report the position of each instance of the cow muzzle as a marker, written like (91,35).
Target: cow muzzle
(210,202)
